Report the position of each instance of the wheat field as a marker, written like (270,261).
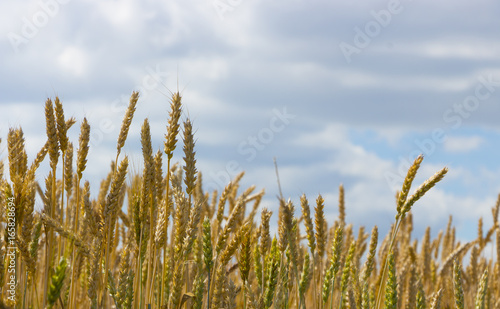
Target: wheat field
(156,239)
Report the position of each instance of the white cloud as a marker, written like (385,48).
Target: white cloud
(462,143)
(119,15)
(469,48)
(391,134)
(333,135)
(349,159)
(264,55)
(74,60)
(364,79)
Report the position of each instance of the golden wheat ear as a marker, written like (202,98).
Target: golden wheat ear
(173,124)
(189,168)
(51,133)
(127,121)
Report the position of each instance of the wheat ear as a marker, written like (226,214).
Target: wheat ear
(127,121)
(320,223)
(341,204)
(391,295)
(51,133)
(457,284)
(189,153)
(272,273)
(245,257)
(306,214)
(331,273)
(173,124)
(412,172)
(57,282)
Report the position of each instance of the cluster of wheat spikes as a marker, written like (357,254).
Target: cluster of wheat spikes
(115,251)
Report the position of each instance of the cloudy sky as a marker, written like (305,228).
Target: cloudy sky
(339,92)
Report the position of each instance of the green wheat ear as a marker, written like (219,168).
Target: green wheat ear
(272,270)
(391,295)
(457,284)
(57,281)
(420,303)
(305,277)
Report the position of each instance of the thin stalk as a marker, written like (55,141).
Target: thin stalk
(140,271)
(188,282)
(75,229)
(319,274)
(106,259)
(48,254)
(210,286)
(25,287)
(208,289)
(297,284)
(315,285)
(108,236)
(331,293)
(110,224)
(151,288)
(386,263)
(149,281)
(60,249)
(165,244)
(263,273)
(244,295)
